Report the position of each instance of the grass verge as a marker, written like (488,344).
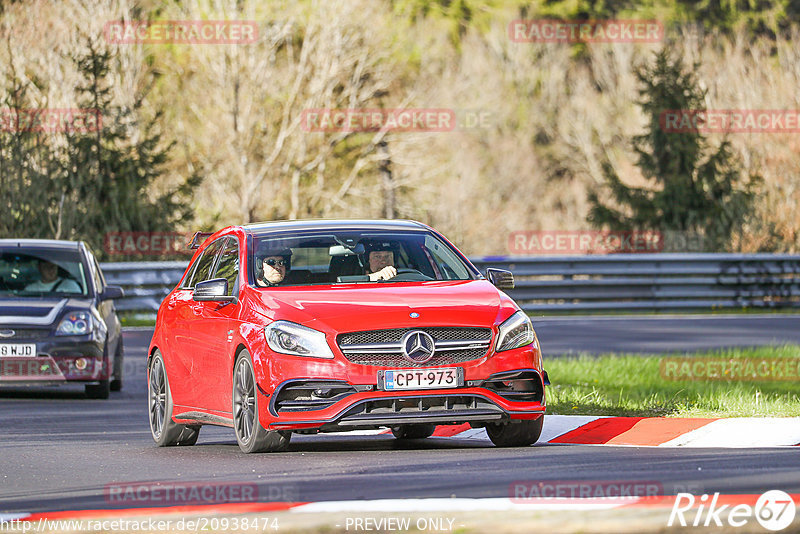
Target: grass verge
(765,383)
(137,319)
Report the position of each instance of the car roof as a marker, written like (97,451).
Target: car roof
(41,243)
(334,224)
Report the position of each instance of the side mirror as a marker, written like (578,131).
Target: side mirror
(500,278)
(212,290)
(112,293)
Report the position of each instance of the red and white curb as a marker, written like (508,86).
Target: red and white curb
(558,429)
(391,506)
(741,432)
(673,432)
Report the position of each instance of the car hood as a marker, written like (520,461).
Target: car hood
(352,307)
(35,311)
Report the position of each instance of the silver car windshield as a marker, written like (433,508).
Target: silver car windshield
(36,273)
(350,257)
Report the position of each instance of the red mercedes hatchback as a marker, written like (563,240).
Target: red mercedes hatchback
(331,326)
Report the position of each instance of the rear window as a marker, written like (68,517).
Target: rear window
(34,273)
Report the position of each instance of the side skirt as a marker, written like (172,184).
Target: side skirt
(190,418)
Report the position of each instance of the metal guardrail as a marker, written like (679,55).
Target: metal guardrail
(145,283)
(652,281)
(625,282)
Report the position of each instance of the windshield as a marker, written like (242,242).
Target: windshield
(28,272)
(354,257)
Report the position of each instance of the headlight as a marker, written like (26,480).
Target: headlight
(75,324)
(516,331)
(297,340)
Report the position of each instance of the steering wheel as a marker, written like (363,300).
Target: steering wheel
(410,275)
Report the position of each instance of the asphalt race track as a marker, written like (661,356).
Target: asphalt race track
(60,451)
(663,334)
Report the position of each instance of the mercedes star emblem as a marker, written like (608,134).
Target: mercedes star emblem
(418,346)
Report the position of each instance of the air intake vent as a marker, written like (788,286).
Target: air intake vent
(305,395)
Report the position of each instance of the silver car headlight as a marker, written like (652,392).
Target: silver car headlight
(298,340)
(515,332)
(75,324)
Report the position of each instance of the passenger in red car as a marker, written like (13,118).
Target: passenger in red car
(274,268)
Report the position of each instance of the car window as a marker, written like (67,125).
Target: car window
(99,279)
(445,261)
(42,272)
(228,265)
(190,273)
(97,274)
(206,262)
(344,257)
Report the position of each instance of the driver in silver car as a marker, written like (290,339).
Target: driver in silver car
(51,280)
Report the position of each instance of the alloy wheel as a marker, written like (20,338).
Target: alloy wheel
(244,401)
(158,397)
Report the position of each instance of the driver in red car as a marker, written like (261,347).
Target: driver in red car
(380,261)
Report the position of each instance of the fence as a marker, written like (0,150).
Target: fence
(626,282)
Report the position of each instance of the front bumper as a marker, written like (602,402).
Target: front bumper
(59,359)
(355,401)
(347,408)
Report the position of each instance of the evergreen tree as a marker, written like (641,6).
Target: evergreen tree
(116,166)
(82,183)
(27,163)
(696,190)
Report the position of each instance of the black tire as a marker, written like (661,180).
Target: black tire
(98,391)
(119,357)
(165,431)
(250,435)
(519,434)
(419,431)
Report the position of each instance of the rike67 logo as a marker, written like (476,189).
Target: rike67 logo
(774,510)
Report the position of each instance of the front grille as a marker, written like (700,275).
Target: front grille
(446,333)
(27,333)
(442,358)
(382,347)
